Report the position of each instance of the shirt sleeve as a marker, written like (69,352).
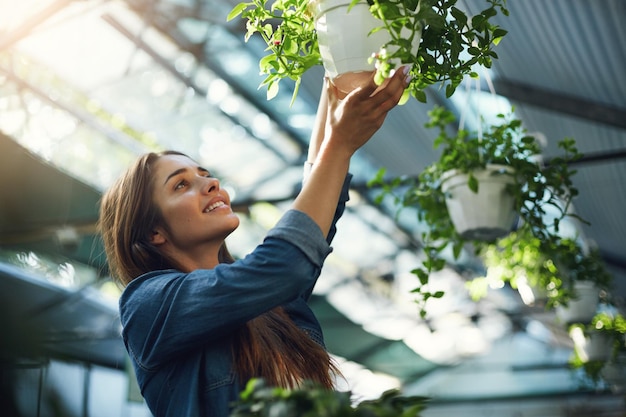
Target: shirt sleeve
(164,313)
(344,197)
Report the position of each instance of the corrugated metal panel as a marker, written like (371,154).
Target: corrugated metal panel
(573,46)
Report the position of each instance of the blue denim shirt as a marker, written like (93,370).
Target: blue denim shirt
(177,327)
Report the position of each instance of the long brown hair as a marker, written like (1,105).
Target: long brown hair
(269,346)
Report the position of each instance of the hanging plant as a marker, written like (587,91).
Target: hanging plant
(450,42)
(553,272)
(599,343)
(534,187)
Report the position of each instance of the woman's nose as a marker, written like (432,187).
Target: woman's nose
(211,184)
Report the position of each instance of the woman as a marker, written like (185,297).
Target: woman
(197,324)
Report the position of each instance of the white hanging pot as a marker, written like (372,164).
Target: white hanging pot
(345,42)
(594,346)
(487,214)
(614,373)
(583,308)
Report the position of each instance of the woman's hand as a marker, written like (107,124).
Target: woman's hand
(353,120)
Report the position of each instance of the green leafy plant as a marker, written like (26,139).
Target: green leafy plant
(552,265)
(612,326)
(517,259)
(261,400)
(536,187)
(575,265)
(452,42)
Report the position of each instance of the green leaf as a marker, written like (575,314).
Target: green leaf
(267,30)
(295,91)
(420,96)
(272,90)
(431,18)
(473,51)
(406,95)
(378,178)
(450,89)
(236,11)
(490,12)
(459,16)
(456,250)
(478,22)
(498,34)
(379,78)
(411,4)
(267,63)
(422,275)
(472,183)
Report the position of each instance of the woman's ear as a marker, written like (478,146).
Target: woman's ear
(157,237)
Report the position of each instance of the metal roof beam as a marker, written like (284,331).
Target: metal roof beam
(187,81)
(562,103)
(35,20)
(599,157)
(80,114)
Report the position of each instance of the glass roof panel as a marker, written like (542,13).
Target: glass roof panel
(90,85)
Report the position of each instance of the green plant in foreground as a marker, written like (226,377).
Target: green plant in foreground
(452,42)
(310,400)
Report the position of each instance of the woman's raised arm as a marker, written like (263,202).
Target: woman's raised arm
(349,124)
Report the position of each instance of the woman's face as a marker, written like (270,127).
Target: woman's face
(196,211)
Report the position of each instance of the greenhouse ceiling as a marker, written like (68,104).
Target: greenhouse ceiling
(86,86)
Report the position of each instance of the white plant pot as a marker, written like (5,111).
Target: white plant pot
(614,373)
(345,42)
(487,214)
(591,347)
(583,308)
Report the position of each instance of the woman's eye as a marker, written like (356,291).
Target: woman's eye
(180,185)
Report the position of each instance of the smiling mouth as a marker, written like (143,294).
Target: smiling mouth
(214,206)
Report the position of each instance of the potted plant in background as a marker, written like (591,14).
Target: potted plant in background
(599,344)
(563,275)
(559,274)
(530,190)
(258,400)
(439,41)
(584,280)
(518,259)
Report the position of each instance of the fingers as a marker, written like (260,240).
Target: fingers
(389,96)
(332,92)
(362,112)
(389,93)
(368,89)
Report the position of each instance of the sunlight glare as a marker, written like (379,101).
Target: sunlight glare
(13,13)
